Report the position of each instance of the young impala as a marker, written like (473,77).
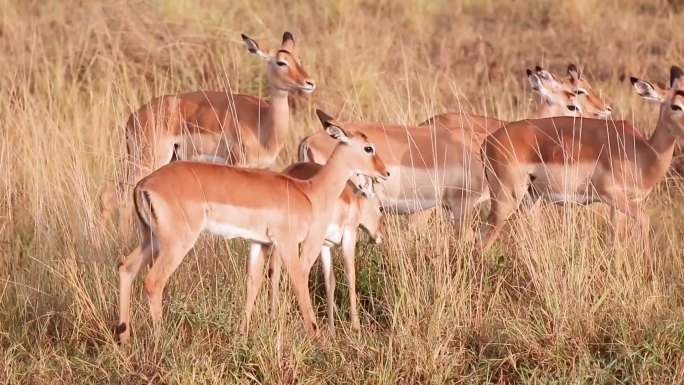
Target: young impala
(582,161)
(353,209)
(430,167)
(181,200)
(212,126)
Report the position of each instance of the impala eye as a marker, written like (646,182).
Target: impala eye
(281,63)
(676,107)
(368,149)
(572,108)
(580,92)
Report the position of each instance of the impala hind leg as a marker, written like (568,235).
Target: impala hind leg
(168,259)
(419,219)
(108,202)
(617,222)
(457,207)
(255,276)
(504,201)
(145,156)
(128,270)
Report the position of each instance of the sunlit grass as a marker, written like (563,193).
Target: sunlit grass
(549,304)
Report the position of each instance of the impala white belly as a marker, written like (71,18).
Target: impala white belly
(230,232)
(560,198)
(565,184)
(404,206)
(333,235)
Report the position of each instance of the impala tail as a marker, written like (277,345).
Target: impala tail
(144,210)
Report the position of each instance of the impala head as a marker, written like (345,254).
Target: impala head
(588,98)
(371,217)
(671,99)
(561,101)
(362,158)
(285,70)
(574,93)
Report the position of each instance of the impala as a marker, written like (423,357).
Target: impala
(567,160)
(353,209)
(214,126)
(181,200)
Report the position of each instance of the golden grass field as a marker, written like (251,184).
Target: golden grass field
(551,305)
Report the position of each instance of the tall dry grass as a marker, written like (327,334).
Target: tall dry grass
(551,305)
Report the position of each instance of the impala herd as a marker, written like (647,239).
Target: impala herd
(348,173)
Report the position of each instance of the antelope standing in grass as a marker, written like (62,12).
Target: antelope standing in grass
(352,210)
(181,200)
(566,160)
(214,126)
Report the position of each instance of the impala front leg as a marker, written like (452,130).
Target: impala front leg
(287,252)
(349,253)
(274,271)
(255,276)
(617,221)
(329,278)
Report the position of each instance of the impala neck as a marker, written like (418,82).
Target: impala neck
(331,180)
(662,143)
(277,123)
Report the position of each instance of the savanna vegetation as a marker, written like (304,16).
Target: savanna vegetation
(549,304)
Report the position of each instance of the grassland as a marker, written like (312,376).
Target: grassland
(552,306)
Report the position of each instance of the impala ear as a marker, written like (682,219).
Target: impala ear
(253,47)
(332,127)
(676,75)
(646,90)
(288,42)
(544,74)
(574,73)
(538,85)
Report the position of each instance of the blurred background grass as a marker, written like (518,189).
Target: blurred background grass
(550,305)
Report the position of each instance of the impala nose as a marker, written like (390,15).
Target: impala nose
(310,85)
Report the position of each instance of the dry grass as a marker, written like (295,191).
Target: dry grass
(554,307)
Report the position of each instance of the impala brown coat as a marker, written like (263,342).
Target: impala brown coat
(582,160)
(215,126)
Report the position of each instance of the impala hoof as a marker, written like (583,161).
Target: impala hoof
(120,333)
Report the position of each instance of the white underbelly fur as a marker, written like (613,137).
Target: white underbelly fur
(403,206)
(230,232)
(333,234)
